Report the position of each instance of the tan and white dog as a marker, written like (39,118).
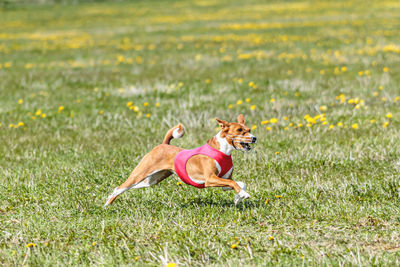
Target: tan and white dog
(158,164)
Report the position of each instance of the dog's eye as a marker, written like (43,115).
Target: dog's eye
(240,129)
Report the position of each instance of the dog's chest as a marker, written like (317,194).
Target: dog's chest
(227,175)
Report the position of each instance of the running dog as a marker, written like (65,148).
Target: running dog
(207,166)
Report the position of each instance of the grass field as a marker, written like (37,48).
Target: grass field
(87,89)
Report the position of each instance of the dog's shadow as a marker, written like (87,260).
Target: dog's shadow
(207,202)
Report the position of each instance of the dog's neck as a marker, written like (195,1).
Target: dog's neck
(221,144)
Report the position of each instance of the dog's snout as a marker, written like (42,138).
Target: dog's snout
(253,139)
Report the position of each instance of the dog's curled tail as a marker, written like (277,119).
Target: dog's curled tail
(175,132)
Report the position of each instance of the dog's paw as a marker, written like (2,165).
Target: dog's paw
(242,195)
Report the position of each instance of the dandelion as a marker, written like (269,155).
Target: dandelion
(148,115)
(272,100)
(11,125)
(43,115)
(20,101)
(273,120)
(239,102)
(340,124)
(20,124)
(230,106)
(380,87)
(277,153)
(248,100)
(96,89)
(60,109)
(145,104)
(266,201)
(208,81)
(253,107)
(179,183)
(360,73)
(386,124)
(251,84)
(30,245)
(157,104)
(172,264)
(270,238)
(101,112)
(129,104)
(265,122)
(38,112)
(78,100)
(278,196)
(234,246)
(372,121)
(389,115)
(375,94)
(322,72)
(384,99)
(286,128)
(268,128)
(137,258)
(385,69)
(300,125)
(253,127)
(331,126)
(355,126)
(94,244)
(323,108)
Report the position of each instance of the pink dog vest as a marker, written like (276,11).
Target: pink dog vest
(224,161)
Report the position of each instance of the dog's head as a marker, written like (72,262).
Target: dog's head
(237,134)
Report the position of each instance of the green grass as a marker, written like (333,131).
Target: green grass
(339,187)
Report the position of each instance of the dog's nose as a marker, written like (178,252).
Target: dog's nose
(254,139)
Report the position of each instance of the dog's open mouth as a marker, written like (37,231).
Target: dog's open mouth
(246,146)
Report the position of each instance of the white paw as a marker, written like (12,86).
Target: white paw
(242,195)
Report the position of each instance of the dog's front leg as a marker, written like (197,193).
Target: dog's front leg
(215,181)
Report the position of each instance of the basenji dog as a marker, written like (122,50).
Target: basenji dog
(207,166)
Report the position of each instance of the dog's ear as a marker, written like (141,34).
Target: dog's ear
(241,119)
(222,124)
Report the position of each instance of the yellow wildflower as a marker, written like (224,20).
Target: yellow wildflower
(38,112)
(239,102)
(386,124)
(253,127)
(29,245)
(266,201)
(265,122)
(268,128)
(380,87)
(248,100)
(157,104)
(323,108)
(272,100)
(20,101)
(130,103)
(60,109)
(101,112)
(172,264)
(355,126)
(234,246)
(230,106)
(273,120)
(372,121)
(389,115)
(385,69)
(145,104)
(253,107)
(270,238)
(20,124)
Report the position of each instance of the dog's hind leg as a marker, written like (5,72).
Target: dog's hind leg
(150,171)
(141,181)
